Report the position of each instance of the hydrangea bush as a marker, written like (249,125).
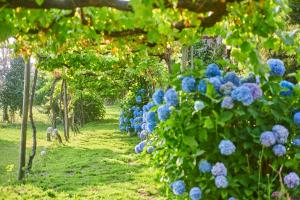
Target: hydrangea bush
(221,135)
(132,113)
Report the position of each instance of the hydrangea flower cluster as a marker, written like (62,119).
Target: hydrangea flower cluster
(163,112)
(276,66)
(171,97)
(226,147)
(204,166)
(277,137)
(158,96)
(287,87)
(195,193)
(139,148)
(131,117)
(291,180)
(178,187)
(188,84)
(297,118)
(212,70)
(220,172)
(198,105)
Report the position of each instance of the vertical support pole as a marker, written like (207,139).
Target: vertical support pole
(22,157)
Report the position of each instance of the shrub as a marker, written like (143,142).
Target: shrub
(244,132)
(88,107)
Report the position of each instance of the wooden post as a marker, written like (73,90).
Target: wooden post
(192,57)
(33,151)
(184,58)
(22,156)
(66,117)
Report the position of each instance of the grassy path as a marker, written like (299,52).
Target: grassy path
(99,163)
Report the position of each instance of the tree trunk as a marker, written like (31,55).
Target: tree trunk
(33,151)
(63,110)
(66,117)
(5,114)
(53,117)
(24,121)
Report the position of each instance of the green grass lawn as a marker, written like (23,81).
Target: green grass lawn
(98,163)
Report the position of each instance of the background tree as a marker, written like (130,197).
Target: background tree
(11,93)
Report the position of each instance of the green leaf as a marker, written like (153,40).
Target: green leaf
(39,2)
(297,155)
(208,123)
(203,135)
(190,141)
(226,116)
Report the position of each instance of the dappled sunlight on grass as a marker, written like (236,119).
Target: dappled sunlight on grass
(98,163)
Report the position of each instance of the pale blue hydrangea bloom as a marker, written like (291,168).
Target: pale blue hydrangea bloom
(291,180)
(219,169)
(198,105)
(279,150)
(221,182)
(195,193)
(226,147)
(178,187)
(267,138)
(281,133)
(204,166)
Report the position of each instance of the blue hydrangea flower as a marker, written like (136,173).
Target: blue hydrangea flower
(158,96)
(277,67)
(204,166)
(296,141)
(221,182)
(143,126)
(138,99)
(288,86)
(291,180)
(202,86)
(297,118)
(178,187)
(198,105)
(227,88)
(143,135)
(151,117)
(188,84)
(195,193)
(255,90)
(219,169)
(232,198)
(163,112)
(137,149)
(137,127)
(279,150)
(226,147)
(150,127)
(212,70)
(150,149)
(242,94)
(233,78)
(227,103)
(281,134)
(216,82)
(267,138)
(171,97)
(140,147)
(148,106)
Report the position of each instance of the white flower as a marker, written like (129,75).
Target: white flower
(199,105)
